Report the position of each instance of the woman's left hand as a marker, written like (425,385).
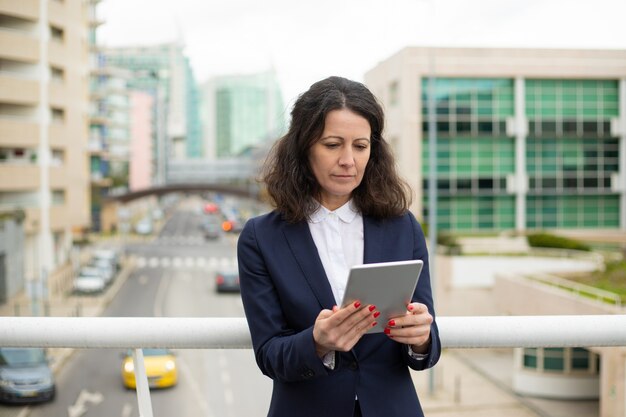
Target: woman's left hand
(413,328)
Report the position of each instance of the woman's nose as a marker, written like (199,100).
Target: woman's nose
(346,158)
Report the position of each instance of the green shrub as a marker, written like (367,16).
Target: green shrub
(546,240)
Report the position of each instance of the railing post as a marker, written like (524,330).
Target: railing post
(141,382)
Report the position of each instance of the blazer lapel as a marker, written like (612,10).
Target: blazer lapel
(305,252)
(373,249)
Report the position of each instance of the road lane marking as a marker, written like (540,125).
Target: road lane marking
(80,406)
(195,388)
(225,375)
(187,262)
(229,398)
(127,410)
(25,412)
(159,299)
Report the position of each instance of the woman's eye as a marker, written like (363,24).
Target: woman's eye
(331,145)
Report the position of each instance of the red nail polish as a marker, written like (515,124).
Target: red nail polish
(374,324)
(376,314)
(387,330)
(410,307)
(357,304)
(391,323)
(372,308)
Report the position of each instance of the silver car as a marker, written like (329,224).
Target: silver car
(25,376)
(89,280)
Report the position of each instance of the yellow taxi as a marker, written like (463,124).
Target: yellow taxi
(160,366)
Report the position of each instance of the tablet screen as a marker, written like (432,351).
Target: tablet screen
(387,285)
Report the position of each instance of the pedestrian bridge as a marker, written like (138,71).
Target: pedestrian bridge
(232,333)
(251,190)
(233,176)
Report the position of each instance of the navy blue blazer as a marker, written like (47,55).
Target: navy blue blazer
(284,287)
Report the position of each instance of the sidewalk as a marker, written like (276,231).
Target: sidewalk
(461,391)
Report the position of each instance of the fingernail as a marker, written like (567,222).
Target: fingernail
(372,308)
(357,304)
(387,330)
(376,314)
(391,323)
(410,307)
(374,324)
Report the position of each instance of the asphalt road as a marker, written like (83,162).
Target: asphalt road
(173,278)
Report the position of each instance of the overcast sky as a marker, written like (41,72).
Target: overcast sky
(309,40)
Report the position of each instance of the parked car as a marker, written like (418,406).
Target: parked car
(89,280)
(107,269)
(144,226)
(110,255)
(161,368)
(227,281)
(25,376)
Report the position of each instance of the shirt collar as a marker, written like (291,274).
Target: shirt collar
(347,213)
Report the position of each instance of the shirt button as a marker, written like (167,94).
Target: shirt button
(353,366)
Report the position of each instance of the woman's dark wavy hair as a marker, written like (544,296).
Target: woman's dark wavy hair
(287,173)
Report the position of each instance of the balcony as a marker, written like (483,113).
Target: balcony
(18,133)
(27,9)
(18,46)
(19,177)
(18,90)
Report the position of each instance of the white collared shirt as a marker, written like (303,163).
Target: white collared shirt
(338,236)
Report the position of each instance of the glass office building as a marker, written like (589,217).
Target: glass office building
(241,112)
(526,139)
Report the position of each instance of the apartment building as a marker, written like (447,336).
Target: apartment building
(165,72)
(526,138)
(43,124)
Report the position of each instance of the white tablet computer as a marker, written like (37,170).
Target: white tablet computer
(387,285)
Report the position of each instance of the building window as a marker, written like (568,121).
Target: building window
(58,115)
(57,33)
(57,74)
(58,197)
(553,359)
(560,360)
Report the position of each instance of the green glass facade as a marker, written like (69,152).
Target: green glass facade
(474,155)
(570,154)
(249,110)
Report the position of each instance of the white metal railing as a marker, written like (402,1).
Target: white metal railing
(232,333)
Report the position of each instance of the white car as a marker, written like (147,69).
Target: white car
(110,255)
(107,269)
(89,281)
(144,226)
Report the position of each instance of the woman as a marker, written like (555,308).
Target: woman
(339,202)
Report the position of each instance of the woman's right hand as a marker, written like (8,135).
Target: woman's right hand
(340,329)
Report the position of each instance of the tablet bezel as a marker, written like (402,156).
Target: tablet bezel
(373,284)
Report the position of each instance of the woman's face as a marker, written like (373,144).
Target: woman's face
(338,159)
